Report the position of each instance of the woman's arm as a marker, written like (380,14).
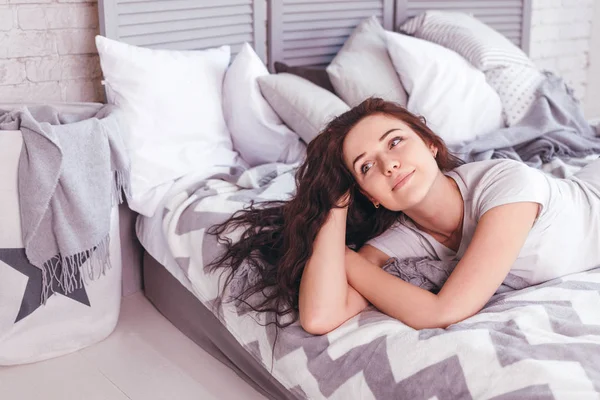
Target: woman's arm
(498,239)
(326,300)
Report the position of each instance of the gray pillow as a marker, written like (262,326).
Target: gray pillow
(304,107)
(363,68)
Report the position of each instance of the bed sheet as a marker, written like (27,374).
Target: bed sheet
(539,341)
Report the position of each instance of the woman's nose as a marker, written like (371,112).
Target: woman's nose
(390,165)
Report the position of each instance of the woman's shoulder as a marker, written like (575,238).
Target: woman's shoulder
(490,170)
(495,164)
(491,183)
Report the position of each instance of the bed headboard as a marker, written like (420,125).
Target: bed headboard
(297,32)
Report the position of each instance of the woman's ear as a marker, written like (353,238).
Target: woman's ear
(434,150)
(371,199)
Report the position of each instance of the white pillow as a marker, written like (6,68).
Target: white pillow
(453,96)
(362,68)
(302,105)
(507,69)
(173,101)
(258,134)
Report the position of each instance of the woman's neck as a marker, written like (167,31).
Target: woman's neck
(441,211)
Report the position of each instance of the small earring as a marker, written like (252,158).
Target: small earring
(376,205)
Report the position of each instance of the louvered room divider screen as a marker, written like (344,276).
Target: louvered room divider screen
(311,32)
(186,24)
(297,32)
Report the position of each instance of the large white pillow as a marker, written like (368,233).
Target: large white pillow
(453,96)
(507,68)
(173,101)
(258,134)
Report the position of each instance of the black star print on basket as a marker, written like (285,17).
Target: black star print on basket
(32,295)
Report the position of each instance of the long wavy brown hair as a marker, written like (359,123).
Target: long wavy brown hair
(278,237)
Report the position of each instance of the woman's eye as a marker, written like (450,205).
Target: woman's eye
(365,168)
(395,141)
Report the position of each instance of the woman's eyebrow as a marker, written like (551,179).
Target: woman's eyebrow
(357,158)
(380,139)
(387,133)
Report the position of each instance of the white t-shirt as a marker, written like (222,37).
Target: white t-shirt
(564,239)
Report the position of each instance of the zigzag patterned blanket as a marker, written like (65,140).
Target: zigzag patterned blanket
(540,342)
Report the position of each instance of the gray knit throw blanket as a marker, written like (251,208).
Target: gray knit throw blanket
(72,170)
(432,274)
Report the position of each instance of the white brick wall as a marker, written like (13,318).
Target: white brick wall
(592,99)
(47,51)
(560,39)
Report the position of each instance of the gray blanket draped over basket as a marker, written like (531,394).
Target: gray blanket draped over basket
(72,170)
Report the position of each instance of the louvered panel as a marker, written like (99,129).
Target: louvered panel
(512,18)
(321,42)
(192,24)
(138,7)
(183,36)
(302,7)
(311,61)
(315,1)
(205,43)
(178,15)
(302,26)
(320,34)
(311,32)
(186,24)
(332,16)
(313,51)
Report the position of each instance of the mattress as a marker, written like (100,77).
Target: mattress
(171,292)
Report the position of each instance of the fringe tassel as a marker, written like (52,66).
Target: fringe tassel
(121,186)
(62,272)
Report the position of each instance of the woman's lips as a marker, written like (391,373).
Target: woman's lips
(402,180)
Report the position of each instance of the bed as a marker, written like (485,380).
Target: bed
(538,342)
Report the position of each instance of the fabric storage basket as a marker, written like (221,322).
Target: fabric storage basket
(31,331)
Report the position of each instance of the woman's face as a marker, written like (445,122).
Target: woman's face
(392,165)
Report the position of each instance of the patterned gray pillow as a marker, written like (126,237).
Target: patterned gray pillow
(507,68)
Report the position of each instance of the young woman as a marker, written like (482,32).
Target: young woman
(378,180)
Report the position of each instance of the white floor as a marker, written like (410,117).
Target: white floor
(145,358)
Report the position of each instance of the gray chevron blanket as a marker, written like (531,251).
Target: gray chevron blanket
(72,170)
(528,342)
